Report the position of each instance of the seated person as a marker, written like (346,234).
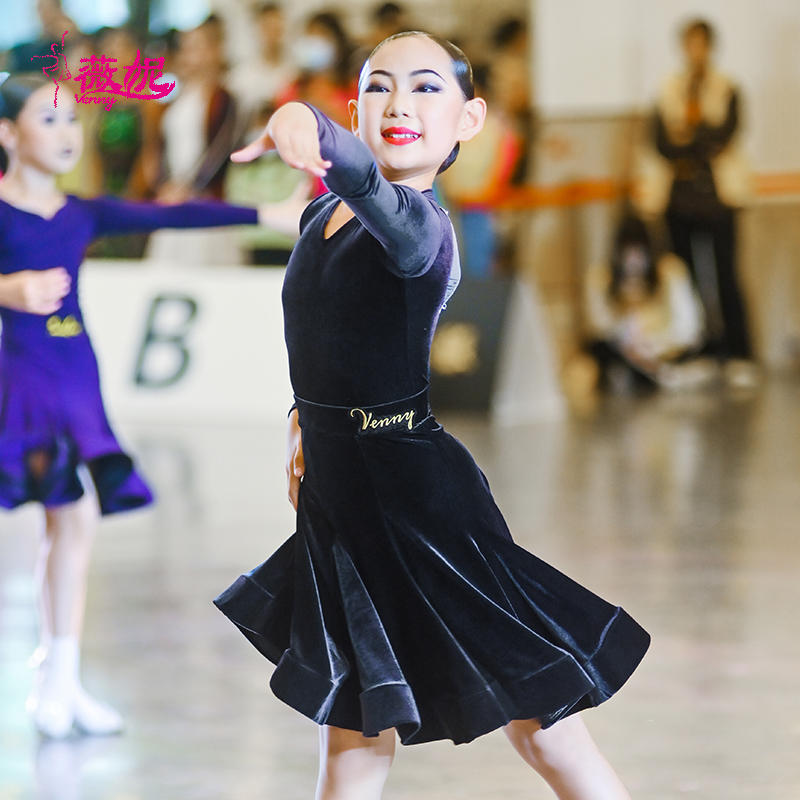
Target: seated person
(644,318)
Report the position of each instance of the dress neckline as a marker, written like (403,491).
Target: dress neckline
(35,213)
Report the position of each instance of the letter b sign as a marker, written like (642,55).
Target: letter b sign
(164,357)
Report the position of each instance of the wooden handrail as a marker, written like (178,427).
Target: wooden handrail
(578,192)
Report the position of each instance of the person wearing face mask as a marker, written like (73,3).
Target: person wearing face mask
(643,317)
(324,58)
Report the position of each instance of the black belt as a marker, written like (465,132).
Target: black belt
(360,420)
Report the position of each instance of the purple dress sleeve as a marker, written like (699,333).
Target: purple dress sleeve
(402,219)
(112,216)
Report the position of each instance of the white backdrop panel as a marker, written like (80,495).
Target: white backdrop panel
(217,332)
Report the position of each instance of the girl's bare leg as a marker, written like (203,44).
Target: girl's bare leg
(566,756)
(352,766)
(64,558)
(59,700)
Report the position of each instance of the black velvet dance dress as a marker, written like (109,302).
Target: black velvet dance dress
(401,601)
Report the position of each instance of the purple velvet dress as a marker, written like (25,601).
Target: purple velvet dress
(50,399)
(402,601)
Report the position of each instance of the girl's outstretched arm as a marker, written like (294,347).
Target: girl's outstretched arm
(292,131)
(112,215)
(408,225)
(35,291)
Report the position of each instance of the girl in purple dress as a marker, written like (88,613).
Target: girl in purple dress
(401,607)
(56,446)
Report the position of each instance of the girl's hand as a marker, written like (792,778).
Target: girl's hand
(295,465)
(292,131)
(35,291)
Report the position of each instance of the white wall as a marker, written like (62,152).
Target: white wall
(610,56)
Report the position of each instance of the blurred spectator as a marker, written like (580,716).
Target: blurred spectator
(199,128)
(327,80)
(164,47)
(643,317)
(54,23)
(704,179)
(386,20)
(258,81)
(511,84)
(478,180)
(198,131)
(266,180)
(120,129)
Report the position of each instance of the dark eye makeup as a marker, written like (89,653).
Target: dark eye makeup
(423,88)
(427,88)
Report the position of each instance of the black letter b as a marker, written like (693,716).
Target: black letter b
(163,357)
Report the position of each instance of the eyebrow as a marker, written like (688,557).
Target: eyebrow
(414,73)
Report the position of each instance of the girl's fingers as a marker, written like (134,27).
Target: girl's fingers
(253,150)
(57,281)
(294,490)
(295,479)
(301,151)
(305,159)
(311,168)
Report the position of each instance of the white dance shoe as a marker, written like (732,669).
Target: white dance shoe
(58,702)
(93,717)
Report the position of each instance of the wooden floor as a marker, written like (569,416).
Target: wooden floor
(685,510)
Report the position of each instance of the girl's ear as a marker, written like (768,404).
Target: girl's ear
(472,118)
(8,134)
(352,107)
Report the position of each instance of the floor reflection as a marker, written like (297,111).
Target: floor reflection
(683,509)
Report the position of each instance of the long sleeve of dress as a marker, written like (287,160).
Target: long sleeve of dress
(112,216)
(402,219)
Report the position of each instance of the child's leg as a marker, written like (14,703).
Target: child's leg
(59,700)
(64,558)
(352,766)
(566,756)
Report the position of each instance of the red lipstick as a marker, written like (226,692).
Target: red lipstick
(400,136)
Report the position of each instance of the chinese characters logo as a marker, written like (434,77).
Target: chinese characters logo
(97,80)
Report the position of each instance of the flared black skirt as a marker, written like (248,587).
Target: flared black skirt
(402,602)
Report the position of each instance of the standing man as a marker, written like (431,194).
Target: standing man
(707,180)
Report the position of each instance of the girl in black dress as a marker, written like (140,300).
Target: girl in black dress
(401,606)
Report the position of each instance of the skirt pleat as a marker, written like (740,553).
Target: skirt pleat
(403,602)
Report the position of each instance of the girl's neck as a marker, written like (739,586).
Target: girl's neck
(422,182)
(31,189)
